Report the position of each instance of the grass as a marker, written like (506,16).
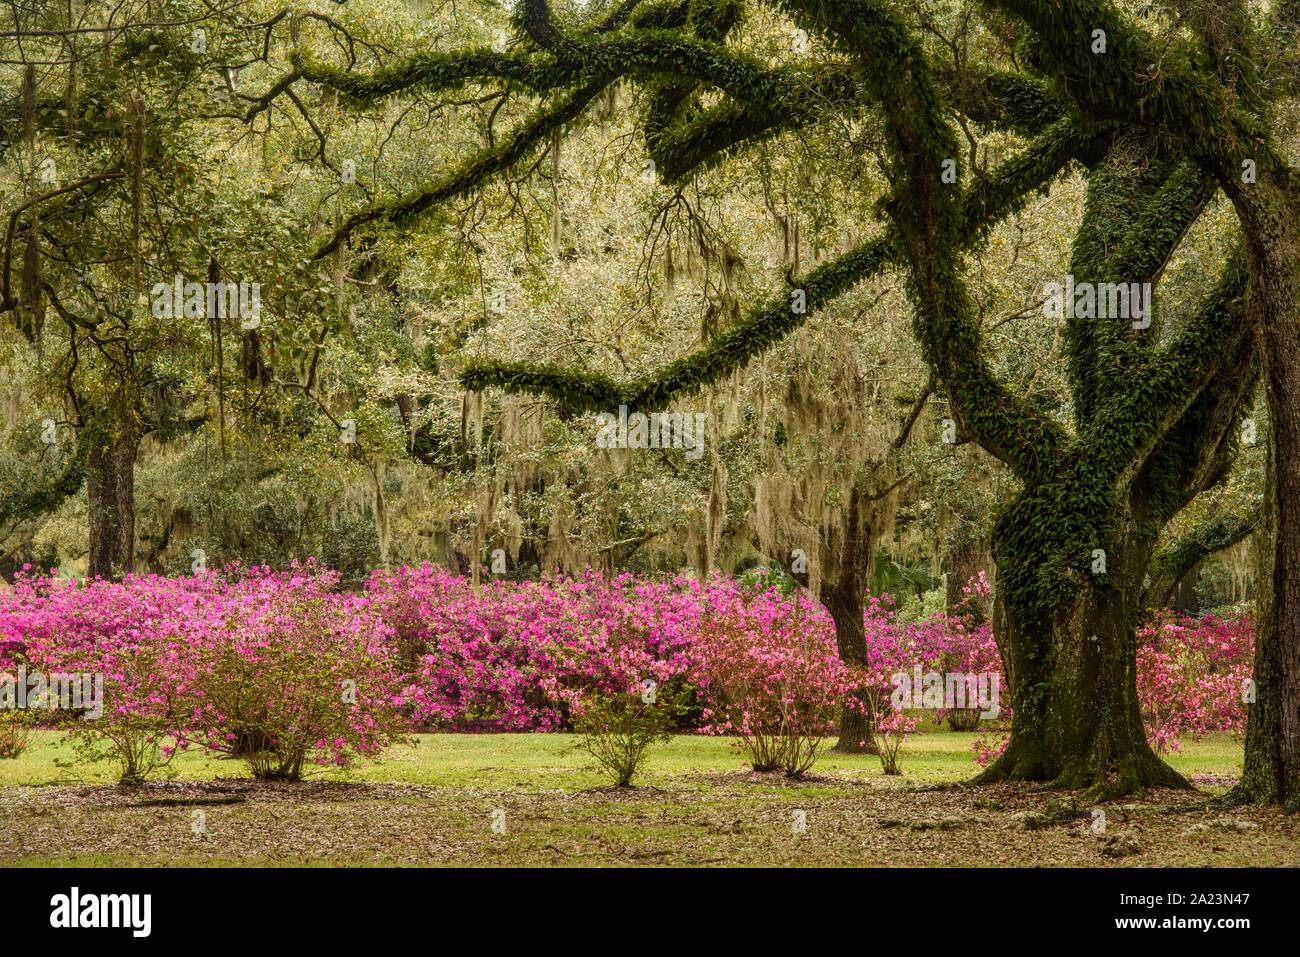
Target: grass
(696,803)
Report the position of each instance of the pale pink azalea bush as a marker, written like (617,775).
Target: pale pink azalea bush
(771,677)
(892,729)
(293,673)
(1191,674)
(277,667)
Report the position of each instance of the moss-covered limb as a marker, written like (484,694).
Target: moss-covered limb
(928,215)
(669,55)
(679,136)
(709,137)
(533,17)
(1003,100)
(1114,248)
(1133,420)
(436,72)
(709,20)
(728,351)
(1171,564)
(1197,453)
(1157,231)
(473,172)
(699,141)
(766,325)
(1229,48)
(671,103)
(1013,183)
(1139,82)
(654,55)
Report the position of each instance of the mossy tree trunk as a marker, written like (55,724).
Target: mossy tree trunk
(1271,216)
(1072,660)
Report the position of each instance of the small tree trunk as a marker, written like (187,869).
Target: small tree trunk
(844,602)
(964,560)
(842,596)
(110,490)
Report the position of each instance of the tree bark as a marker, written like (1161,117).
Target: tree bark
(1072,670)
(843,597)
(1272,764)
(967,557)
(110,490)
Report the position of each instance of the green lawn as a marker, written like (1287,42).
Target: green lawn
(697,803)
(551,761)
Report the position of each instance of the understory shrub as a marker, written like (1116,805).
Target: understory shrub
(772,680)
(1193,675)
(618,728)
(285,671)
(291,674)
(15,733)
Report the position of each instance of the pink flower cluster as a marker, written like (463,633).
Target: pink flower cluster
(277,667)
(515,656)
(1193,675)
(285,663)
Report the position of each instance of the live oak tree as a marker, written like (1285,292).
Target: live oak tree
(108,141)
(1160,126)
(1220,96)
(98,179)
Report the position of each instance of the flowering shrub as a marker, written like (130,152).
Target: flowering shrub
(273,666)
(1191,675)
(510,656)
(15,733)
(892,729)
(292,672)
(960,643)
(771,679)
(618,727)
(282,669)
(989,746)
(126,634)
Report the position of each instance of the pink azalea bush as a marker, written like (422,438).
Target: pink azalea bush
(127,633)
(276,667)
(771,677)
(1191,676)
(284,670)
(513,656)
